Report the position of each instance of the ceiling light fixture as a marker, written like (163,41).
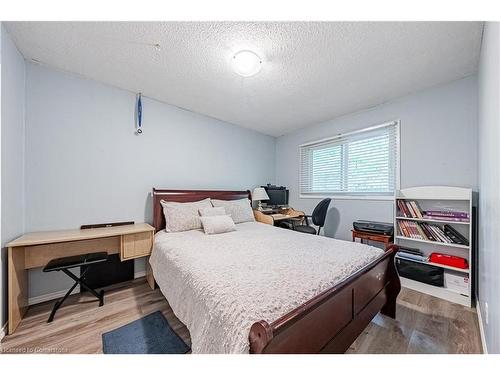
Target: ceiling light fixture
(247,63)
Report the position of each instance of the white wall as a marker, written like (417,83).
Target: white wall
(84,164)
(438,147)
(13,95)
(489,184)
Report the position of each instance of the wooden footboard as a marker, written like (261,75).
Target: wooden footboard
(331,322)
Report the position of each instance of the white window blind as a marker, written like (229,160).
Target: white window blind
(358,163)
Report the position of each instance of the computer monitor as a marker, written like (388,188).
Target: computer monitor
(277,197)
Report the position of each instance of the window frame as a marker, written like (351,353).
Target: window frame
(351,195)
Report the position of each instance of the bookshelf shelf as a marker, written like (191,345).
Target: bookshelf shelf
(436,291)
(436,198)
(433,220)
(461,270)
(434,242)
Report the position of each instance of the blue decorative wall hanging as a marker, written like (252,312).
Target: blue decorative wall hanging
(139,114)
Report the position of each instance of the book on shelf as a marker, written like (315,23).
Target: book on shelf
(450,215)
(409,256)
(457,219)
(431,232)
(456,236)
(409,209)
(412,254)
(401,208)
(416,209)
(412,250)
(428,233)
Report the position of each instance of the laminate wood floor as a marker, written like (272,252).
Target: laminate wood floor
(424,324)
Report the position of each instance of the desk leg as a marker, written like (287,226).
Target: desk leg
(18,287)
(149,274)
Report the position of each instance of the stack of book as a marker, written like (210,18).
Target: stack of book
(412,254)
(447,215)
(409,209)
(431,232)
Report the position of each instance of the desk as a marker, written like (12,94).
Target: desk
(35,249)
(385,239)
(282,215)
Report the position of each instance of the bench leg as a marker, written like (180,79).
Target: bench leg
(60,302)
(83,284)
(101,298)
(78,280)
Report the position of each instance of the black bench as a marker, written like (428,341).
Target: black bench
(65,264)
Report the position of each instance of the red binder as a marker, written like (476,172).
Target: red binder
(449,260)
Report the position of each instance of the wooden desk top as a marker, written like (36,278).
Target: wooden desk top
(278,217)
(39,238)
(284,214)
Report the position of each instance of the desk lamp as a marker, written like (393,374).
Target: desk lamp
(259,194)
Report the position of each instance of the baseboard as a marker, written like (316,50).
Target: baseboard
(139,274)
(481,327)
(3,331)
(50,296)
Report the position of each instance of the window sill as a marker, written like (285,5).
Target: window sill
(350,197)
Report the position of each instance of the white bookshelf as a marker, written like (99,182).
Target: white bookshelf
(439,198)
(434,243)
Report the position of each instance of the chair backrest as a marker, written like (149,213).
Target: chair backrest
(319,213)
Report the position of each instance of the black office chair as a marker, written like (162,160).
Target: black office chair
(318,218)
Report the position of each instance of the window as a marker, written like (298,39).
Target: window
(359,163)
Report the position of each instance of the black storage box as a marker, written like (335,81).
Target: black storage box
(420,272)
(111,272)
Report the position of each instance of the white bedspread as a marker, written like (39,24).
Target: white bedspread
(219,285)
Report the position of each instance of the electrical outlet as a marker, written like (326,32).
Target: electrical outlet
(486,312)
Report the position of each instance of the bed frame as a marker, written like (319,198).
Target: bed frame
(327,323)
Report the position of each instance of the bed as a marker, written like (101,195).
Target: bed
(262,289)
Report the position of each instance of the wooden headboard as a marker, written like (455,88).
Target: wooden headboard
(188,196)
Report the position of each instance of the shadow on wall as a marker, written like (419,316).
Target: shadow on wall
(332,222)
(148,209)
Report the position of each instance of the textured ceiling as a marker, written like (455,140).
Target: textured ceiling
(312,71)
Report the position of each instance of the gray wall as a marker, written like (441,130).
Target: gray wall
(84,164)
(438,147)
(489,183)
(13,93)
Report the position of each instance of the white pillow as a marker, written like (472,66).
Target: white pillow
(212,211)
(180,217)
(240,209)
(217,224)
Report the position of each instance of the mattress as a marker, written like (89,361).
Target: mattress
(219,285)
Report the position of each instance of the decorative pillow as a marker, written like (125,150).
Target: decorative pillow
(180,217)
(240,209)
(217,224)
(212,211)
